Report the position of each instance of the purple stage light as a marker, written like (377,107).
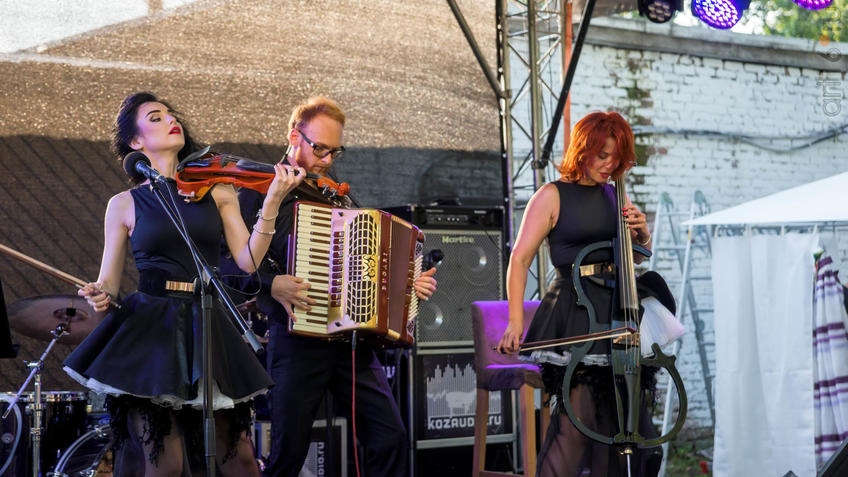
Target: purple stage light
(659,11)
(722,14)
(814,4)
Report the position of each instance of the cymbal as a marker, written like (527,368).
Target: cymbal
(37,316)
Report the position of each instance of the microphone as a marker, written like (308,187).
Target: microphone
(138,167)
(432,259)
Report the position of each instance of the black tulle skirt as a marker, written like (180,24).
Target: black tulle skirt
(565,451)
(152,348)
(559,316)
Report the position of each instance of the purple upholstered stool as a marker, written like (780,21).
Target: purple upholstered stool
(498,372)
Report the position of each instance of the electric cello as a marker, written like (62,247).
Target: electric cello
(622,330)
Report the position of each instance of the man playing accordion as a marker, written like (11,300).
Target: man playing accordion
(303,367)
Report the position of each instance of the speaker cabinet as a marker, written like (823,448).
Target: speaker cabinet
(471,240)
(442,382)
(327,453)
(445,399)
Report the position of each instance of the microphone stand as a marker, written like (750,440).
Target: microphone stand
(207,277)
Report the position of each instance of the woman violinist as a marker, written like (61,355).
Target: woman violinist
(147,354)
(572,212)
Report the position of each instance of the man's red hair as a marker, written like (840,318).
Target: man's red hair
(307,110)
(588,139)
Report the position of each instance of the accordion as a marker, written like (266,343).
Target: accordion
(360,265)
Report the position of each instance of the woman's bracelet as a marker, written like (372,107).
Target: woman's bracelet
(647,240)
(259,215)
(262,231)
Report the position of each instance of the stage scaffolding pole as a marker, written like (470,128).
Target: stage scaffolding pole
(531,58)
(534,42)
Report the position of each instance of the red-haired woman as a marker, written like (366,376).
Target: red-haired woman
(572,212)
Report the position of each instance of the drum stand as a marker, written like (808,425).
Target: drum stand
(36,367)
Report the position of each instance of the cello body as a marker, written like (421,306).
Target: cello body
(625,357)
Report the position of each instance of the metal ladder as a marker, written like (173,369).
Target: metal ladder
(667,237)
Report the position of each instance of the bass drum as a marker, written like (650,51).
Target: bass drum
(12,437)
(63,420)
(88,456)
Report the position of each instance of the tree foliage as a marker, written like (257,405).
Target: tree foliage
(786,18)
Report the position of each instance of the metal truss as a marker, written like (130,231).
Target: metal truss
(530,38)
(528,83)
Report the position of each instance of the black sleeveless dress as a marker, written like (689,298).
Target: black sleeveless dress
(152,347)
(587,214)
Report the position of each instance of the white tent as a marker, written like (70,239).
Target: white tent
(823,200)
(763,302)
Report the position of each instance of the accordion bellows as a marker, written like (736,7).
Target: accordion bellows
(360,265)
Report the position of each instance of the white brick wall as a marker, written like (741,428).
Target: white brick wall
(673,91)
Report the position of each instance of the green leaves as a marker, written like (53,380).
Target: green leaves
(786,18)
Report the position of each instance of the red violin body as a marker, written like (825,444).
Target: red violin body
(196,176)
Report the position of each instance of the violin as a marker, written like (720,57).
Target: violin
(625,354)
(197,173)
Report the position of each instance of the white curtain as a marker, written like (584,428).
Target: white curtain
(763,301)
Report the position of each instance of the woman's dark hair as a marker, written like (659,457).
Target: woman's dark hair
(124,129)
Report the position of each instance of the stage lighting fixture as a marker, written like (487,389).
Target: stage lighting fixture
(659,11)
(722,14)
(814,4)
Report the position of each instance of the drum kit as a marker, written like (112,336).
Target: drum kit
(55,433)
(52,431)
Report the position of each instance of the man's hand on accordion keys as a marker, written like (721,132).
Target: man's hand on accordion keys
(425,284)
(290,291)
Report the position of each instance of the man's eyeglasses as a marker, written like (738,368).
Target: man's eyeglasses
(321,151)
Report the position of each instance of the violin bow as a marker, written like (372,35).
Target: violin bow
(625,331)
(65,277)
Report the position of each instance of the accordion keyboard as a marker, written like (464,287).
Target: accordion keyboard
(315,253)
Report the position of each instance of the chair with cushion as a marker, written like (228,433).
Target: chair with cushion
(498,372)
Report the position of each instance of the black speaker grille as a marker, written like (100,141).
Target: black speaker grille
(472,270)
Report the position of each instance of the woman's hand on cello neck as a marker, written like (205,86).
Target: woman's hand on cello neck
(637,222)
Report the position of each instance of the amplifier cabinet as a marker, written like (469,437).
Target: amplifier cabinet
(471,241)
(324,458)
